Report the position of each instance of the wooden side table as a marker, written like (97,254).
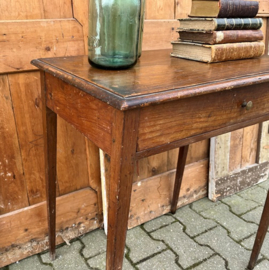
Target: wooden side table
(160,104)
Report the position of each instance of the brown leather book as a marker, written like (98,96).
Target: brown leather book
(224,8)
(218,52)
(221,37)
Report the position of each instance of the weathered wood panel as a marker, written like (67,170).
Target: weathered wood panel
(264,144)
(25,92)
(22,41)
(159,10)
(27,228)
(35,9)
(152,197)
(13,194)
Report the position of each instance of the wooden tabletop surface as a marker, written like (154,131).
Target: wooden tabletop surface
(156,78)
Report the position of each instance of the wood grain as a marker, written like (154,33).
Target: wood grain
(264,144)
(28,231)
(235,153)
(160,10)
(22,41)
(13,193)
(72,169)
(26,99)
(81,110)
(183,8)
(152,197)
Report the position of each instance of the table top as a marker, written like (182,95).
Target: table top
(156,78)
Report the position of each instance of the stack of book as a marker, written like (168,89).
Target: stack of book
(220,30)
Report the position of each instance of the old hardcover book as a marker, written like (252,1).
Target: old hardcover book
(221,37)
(218,52)
(224,8)
(218,24)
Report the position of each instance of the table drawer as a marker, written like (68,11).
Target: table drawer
(173,121)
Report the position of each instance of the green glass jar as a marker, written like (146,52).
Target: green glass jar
(114,33)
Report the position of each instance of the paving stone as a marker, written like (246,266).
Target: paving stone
(264,265)
(213,263)
(188,250)
(31,263)
(158,223)
(248,243)
(99,262)
(68,258)
(203,204)
(237,227)
(256,194)
(236,256)
(239,205)
(162,261)
(265,184)
(141,245)
(95,243)
(254,215)
(190,219)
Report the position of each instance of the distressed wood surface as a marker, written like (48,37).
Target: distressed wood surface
(26,100)
(22,41)
(28,227)
(150,200)
(159,10)
(264,144)
(12,180)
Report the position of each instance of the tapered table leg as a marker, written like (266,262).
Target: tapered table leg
(182,156)
(50,144)
(263,227)
(124,136)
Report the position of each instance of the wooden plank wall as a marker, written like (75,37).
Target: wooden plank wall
(33,29)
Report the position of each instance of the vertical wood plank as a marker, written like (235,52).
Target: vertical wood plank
(264,144)
(72,172)
(249,148)
(159,10)
(57,9)
(26,97)
(183,8)
(13,193)
(236,150)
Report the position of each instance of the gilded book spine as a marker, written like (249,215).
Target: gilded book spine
(225,52)
(238,24)
(238,9)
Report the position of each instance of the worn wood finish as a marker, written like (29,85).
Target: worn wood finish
(50,150)
(182,156)
(264,143)
(151,197)
(124,137)
(12,180)
(263,227)
(21,41)
(159,10)
(183,123)
(75,105)
(28,229)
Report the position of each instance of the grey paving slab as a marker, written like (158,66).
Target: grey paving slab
(236,256)
(264,184)
(203,204)
(254,215)
(158,223)
(99,262)
(162,261)
(256,193)
(30,263)
(141,245)
(248,243)
(213,263)
(190,219)
(264,265)
(238,228)
(239,205)
(95,243)
(68,258)
(188,250)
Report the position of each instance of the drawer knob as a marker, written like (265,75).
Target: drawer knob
(247,105)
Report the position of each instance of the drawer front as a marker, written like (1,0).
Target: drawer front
(177,120)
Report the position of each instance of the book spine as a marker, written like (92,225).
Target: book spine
(238,9)
(238,24)
(221,37)
(235,51)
